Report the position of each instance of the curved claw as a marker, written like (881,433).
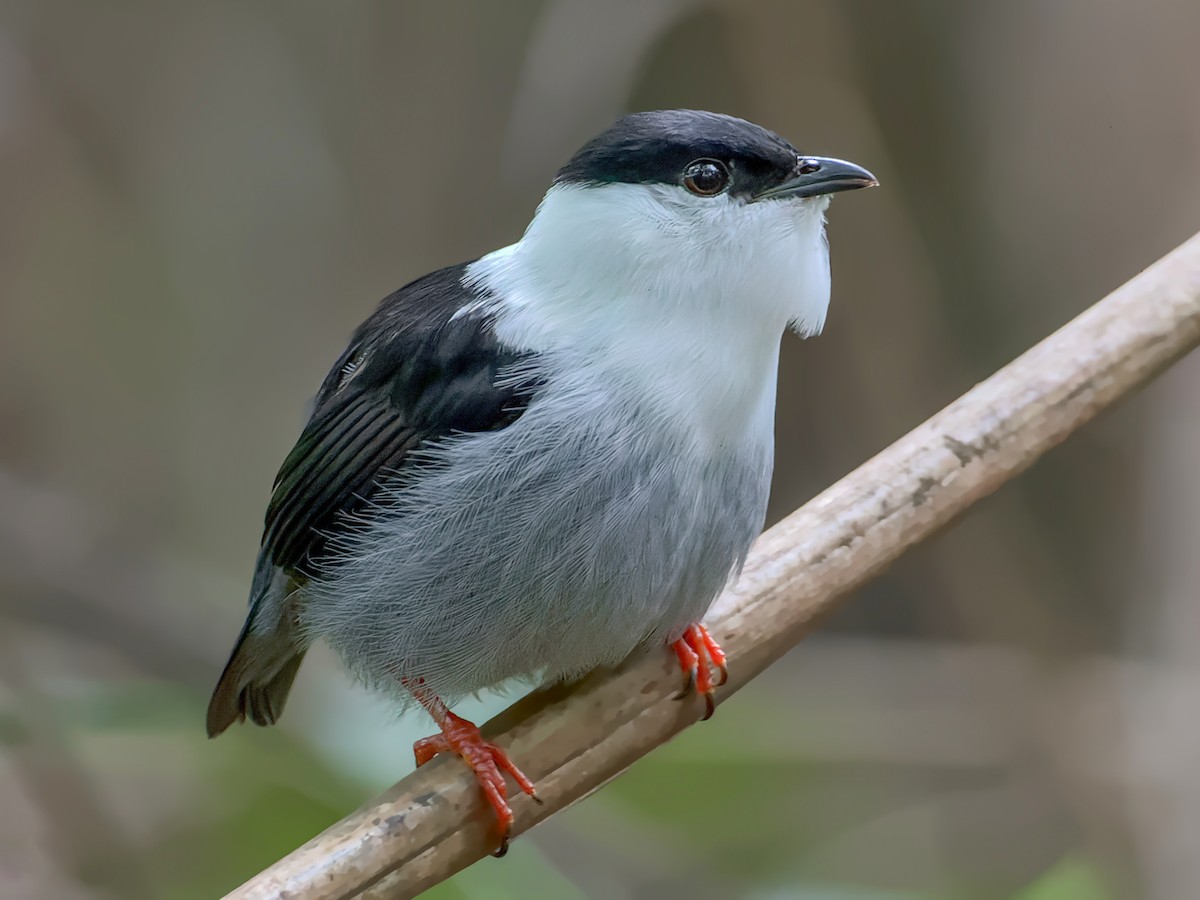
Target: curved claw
(502,850)
(723,671)
(689,685)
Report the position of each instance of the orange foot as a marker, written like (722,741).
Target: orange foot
(486,760)
(698,653)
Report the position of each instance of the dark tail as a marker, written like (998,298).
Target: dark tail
(255,682)
(264,661)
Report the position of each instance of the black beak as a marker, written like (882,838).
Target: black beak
(816,175)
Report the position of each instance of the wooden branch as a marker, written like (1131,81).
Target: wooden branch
(571,740)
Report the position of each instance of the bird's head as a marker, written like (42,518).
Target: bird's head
(682,208)
(700,161)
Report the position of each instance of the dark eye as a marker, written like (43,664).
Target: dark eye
(808,166)
(706,177)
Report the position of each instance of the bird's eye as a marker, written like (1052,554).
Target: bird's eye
(808,166)
(706,177)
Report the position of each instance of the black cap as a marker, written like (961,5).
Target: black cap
(656,147)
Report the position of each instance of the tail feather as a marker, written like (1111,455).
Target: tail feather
(256,681)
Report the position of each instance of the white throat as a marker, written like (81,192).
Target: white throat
(680,299)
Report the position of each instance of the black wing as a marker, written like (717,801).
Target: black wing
(412,373)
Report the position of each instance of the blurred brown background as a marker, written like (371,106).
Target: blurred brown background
(199,201)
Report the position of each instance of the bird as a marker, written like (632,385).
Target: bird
(530,465)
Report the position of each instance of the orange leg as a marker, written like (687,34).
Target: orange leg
(487,761)
(698,654)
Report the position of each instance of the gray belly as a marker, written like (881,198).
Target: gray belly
(541,549)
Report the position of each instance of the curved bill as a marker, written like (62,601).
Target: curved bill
(816,175)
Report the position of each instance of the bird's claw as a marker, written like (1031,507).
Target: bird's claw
(698,655)
(689,683)
(487,762)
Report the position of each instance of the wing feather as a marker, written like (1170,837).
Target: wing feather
(414,372)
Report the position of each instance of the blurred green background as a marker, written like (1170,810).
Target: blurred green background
(199,201)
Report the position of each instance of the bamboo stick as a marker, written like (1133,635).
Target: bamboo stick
(573,739)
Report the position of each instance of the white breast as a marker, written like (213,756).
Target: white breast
(677,301)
